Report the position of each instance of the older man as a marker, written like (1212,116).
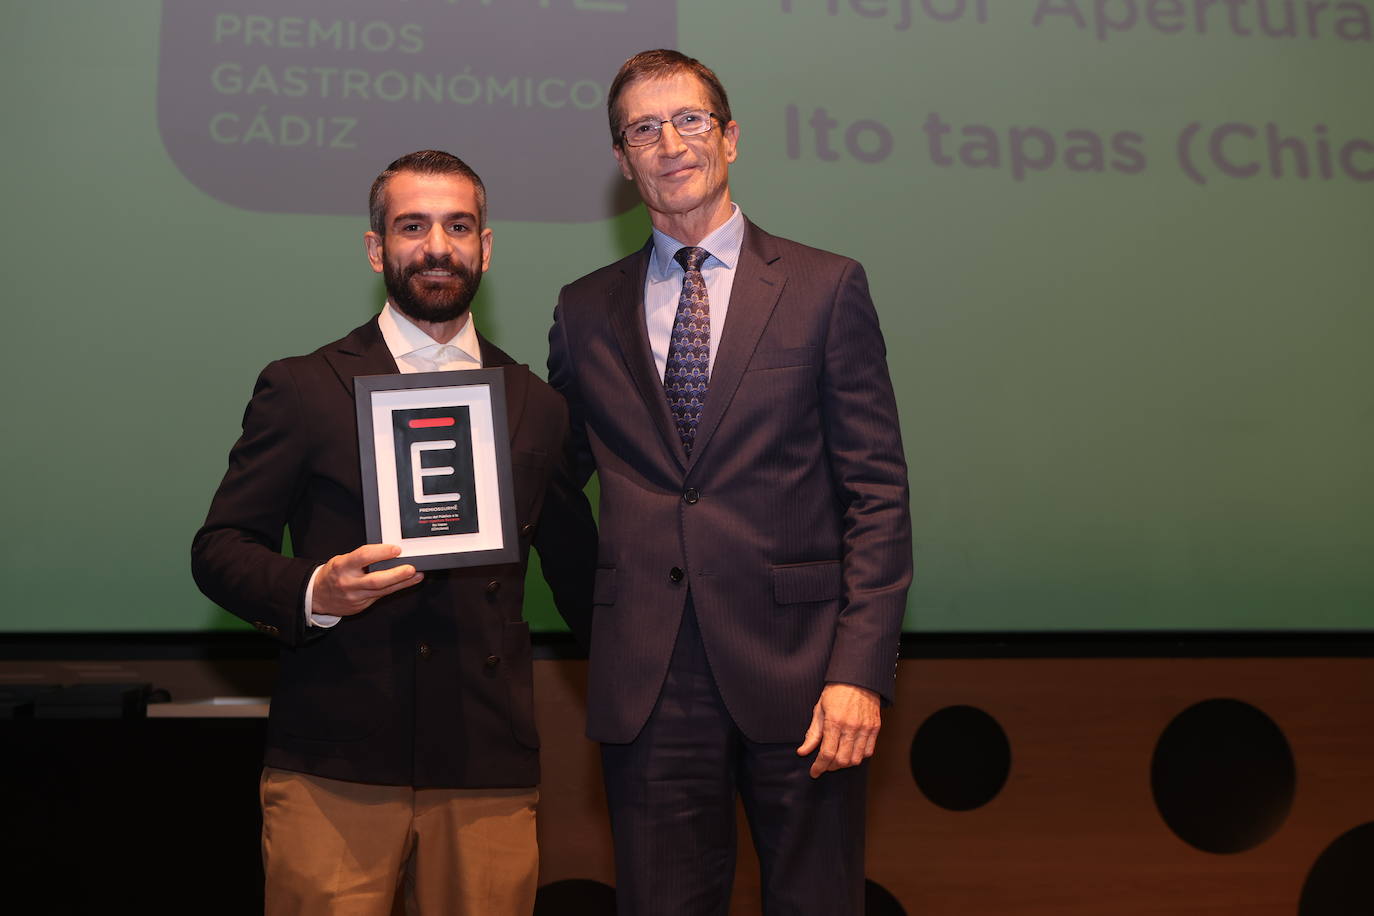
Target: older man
(401,747)
(730,390)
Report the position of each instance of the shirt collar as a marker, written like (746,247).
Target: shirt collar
(403,337)
(723,244)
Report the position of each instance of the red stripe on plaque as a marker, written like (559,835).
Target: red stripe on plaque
(430,423)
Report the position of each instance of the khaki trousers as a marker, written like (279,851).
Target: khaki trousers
(346,848)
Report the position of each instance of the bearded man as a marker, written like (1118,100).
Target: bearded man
(401,748)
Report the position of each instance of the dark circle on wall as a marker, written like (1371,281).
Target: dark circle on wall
(1222,776)
(1342,879)
(579,896)
(960,758)
(878,902)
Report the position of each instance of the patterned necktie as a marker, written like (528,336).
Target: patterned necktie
(689,349)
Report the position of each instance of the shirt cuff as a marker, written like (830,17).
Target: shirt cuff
(323,621)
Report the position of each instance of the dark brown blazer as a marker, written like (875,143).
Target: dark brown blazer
(431,686)
(789,522)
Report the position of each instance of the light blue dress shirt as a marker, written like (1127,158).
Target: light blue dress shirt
(663,284)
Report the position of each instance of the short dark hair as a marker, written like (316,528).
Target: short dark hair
(660,64)
(424,162)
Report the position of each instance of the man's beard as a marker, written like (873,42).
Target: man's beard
(421,300)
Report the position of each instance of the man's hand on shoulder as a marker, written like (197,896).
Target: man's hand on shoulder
(844,725)
(343,588)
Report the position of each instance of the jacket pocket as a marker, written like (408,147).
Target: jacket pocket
(796,583)
(528,457)
(603,591)
(331,703)
(782,358)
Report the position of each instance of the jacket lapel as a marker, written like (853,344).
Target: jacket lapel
(626,313)
(517,382)
(757,287)
(363,352)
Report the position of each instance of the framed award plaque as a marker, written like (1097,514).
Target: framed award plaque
(435,455)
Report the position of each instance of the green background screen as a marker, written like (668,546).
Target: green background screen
(1122,252)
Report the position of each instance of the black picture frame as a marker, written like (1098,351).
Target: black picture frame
(459,417)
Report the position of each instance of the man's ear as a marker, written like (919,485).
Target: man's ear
(373,243)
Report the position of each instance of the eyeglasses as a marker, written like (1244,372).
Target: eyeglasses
(686,123)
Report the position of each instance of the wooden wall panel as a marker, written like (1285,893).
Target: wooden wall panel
(1075,829)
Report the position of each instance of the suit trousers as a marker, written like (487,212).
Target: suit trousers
(671,794)
(346,848)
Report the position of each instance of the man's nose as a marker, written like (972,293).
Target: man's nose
(437,242)
(670,142)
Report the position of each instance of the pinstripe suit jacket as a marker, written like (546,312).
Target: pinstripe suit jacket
(789,522)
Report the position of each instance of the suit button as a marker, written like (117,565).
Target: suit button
(691,496)
(492,661)
(425,650)
(493,587)
(675,575)
(526,530)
